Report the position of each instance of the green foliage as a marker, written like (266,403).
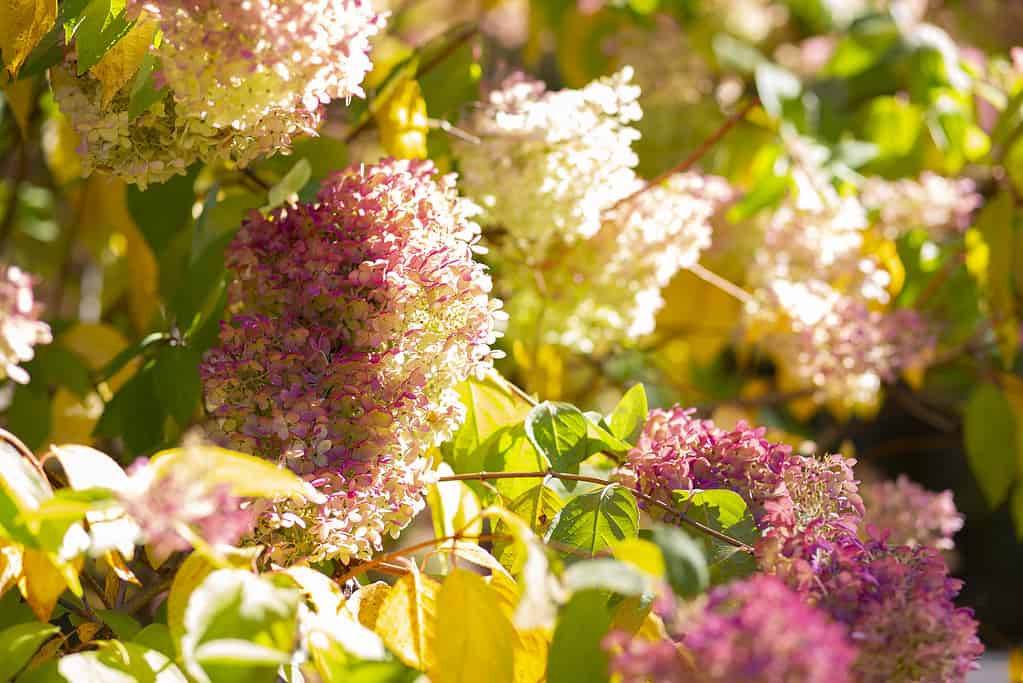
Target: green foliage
(593,521)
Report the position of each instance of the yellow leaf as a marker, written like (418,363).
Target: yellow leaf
(74,418)
(407,619)
(25,22)
(643,555)
(402,122)
(192,572)
(246,475)
(1016,665)
(143,278)
(10,567)
(41,582)
(318,589)
(123,59)
(48,651)
(529,646)
(19,97)
(60,146)
(86,468)
(453,506)
(474,637)
(365,603)
(97,344)
(119,568)
(87,631)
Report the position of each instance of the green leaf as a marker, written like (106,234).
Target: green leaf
(776,85)
(156,637)
(161,210)
(176,382)
(558,430)
(538,507)
(29,414)
(134,414)
(604,573)
(576,655)
(144,93)
(990,432)
(239,627)
(22,490)
(117,662)
(629,416)
(489,405)
(724,511)
(453,79)
(102,24)
(996,225)
(508,450)
(288,186)
(593,521)
(473,636)
(18,644)
(684,560)
(123,626)
(56,366)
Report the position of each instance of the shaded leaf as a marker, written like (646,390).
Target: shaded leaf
(575,653)
(990,432)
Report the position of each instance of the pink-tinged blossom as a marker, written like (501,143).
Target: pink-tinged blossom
(835,343)
(20,327)
(263,68)
(633,660)
(911,515)
(940,205)
(367,501)
(172,505)
(677,451)
(897,602)
(357,316)
(761,631)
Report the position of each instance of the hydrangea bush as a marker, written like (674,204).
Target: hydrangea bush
(624,342)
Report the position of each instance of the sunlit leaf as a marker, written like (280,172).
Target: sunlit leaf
(473,637)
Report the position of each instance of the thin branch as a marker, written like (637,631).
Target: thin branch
(423,69)
(696,154)
(147,595)
(726,286)
(386,560)
(482,476)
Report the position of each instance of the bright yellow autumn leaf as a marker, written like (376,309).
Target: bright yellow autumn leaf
(402,122)
(24,23)
(123,59)
(473,637)
(407,620)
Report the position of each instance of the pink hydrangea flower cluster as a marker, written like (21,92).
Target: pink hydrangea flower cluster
(809,512)
(263,67)
(836,343)
(357,316)
(910,514)
(677,451)
(756,630)
(897,601)
(760,630)
(171,505)
(940,205)
(20,327)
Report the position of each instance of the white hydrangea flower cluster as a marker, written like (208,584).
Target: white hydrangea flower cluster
(243,78)
(581,245)
(263,67)
(601,291)
(550,163)
(20,326)
(939,205)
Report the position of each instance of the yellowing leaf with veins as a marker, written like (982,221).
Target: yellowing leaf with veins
(24,24)
(18,97)
(474,637)
(402,122)
(122,60)
(407,620)
(530,645)
(10,567)
(41,583)
(193,570)
(365,604)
